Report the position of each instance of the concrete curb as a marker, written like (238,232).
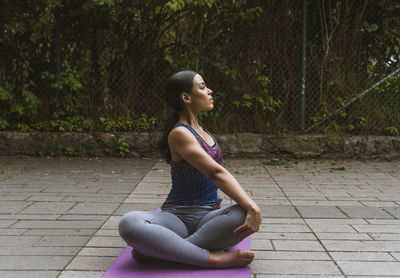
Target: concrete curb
(144,144)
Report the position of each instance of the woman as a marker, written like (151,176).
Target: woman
(192,228)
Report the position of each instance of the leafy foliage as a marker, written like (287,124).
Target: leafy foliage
(123,147)
(101,65)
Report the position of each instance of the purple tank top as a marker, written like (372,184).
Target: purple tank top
(189,186)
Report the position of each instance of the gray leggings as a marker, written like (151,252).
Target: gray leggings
(184,234)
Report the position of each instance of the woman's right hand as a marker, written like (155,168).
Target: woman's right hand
(251,224)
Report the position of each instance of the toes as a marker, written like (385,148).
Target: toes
(249,254)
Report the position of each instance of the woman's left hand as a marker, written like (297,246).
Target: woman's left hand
(251,225)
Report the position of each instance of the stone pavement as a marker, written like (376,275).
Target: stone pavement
(321,218)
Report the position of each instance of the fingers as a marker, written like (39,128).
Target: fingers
(242,232)
(239,230)
(243,235)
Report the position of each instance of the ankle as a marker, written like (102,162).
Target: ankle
(213,260)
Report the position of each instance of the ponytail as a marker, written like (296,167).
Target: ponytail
(163,143)
(178,83)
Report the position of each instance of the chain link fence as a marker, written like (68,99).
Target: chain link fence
(102,65)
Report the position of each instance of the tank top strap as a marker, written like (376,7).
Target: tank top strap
(187,126)
(191,130)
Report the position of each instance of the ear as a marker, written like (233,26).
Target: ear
(186,99)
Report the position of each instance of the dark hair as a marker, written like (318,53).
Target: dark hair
(178,83)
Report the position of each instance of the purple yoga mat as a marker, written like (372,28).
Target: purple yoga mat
(125,267)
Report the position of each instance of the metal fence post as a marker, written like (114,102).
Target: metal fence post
(303,66)
(57,37)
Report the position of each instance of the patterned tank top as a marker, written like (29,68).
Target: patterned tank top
(189,186)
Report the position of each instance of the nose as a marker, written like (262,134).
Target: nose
(210,91)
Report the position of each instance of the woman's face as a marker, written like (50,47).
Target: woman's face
(200,96)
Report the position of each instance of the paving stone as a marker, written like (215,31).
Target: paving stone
(292,255)
(96,198)
(396,255)
(298,276)
(100,251)
(377,228)
(367,276)
(83,217)
(298,245)
(391,236)
(28,274)
(58,224)
(282,220)
(351,245)
(343,236)
(18,240)
(93,208)
(81,274)
(91,263)
(45,198)
(288,228)
(7,223)
(33,262)
(38,251)
(272,201)
(151,190)
(124,208)
(14,196)
(48,208)
(268,197)
(394,211)
(324,203)
(379,204)
(135,199)
(260,244)
(12,232)
(337,221)
(261,235)
(61,232)
(12,207)
(331,228)
(16,189)
(111,223)
(70,189)
(28,217)
(383,221)
(293,267)
(350,237)
(104,232)
(278,211)
(102,241)
(58,241)
(361,256)
(366,212)
(320,212)
(370,268)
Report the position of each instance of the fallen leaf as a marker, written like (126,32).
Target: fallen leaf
(337,169)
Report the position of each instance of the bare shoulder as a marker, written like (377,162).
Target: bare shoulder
(181,135)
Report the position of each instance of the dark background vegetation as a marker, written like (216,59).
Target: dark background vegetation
(91,65)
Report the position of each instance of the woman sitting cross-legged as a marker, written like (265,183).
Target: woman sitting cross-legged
(192,228)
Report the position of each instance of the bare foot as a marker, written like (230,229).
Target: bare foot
(139,257)
(222,259)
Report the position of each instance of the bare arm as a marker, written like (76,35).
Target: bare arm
(184,145)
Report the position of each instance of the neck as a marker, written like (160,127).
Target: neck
(189,118)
